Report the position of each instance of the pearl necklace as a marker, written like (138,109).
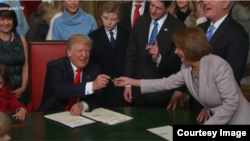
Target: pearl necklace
(195,73)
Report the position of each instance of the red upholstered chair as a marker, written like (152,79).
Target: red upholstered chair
(40,53)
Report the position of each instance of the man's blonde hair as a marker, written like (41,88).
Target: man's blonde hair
(78,39)
(5,124)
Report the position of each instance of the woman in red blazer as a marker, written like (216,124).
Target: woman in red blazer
(8,102)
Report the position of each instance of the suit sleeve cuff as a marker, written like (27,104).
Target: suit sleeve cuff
(158,61)
(88,88)
(201,20)
(85,106)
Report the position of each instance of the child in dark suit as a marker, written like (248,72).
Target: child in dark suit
(8,102)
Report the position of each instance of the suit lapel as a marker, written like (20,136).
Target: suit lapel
(219,31)
(119,37)
(86,74)
(203,75)
(195,95)
(129,12)
(69,70)
(104,37)
(164,29)
(145,33)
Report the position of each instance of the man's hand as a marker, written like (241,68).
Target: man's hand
(200,9)
(153,50)
(100,82)
(177,96)
(76,109)
(128,94)
(203,116)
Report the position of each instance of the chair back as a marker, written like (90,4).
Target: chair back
(40,53)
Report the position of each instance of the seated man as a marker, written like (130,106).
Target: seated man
(71,77)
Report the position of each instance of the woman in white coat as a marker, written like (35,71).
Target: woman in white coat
(208,77)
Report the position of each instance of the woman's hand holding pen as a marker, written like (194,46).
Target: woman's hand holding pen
(122,81)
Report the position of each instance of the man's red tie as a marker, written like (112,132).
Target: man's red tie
(137,13)
(72,101)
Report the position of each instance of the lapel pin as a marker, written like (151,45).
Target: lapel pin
(88,76)
(165,29)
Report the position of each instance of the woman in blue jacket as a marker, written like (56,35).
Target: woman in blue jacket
(73,21)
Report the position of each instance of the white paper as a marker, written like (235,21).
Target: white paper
(69,120)
(166,132)
(106,116)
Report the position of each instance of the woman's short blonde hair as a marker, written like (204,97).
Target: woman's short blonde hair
(5,124)
(193,42)
(78,39)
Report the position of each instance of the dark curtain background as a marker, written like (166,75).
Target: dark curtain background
(29,7)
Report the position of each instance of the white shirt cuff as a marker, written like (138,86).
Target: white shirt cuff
(85,106)
(158,61)
(88,88)
(201,20)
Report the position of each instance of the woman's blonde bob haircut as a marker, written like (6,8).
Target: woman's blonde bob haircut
(193,42)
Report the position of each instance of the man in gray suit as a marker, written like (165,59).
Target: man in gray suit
(209,78)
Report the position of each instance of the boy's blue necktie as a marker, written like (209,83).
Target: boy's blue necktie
(112,40)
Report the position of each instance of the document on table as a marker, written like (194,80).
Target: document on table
(106,116)
(166,132)
(69,120)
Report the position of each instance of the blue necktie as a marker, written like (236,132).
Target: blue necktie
(112,40)
(210,33)
(153,34)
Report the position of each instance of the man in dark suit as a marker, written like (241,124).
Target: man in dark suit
(70,78)
(147,59)
(132,10)
(228,39)
(110,43)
